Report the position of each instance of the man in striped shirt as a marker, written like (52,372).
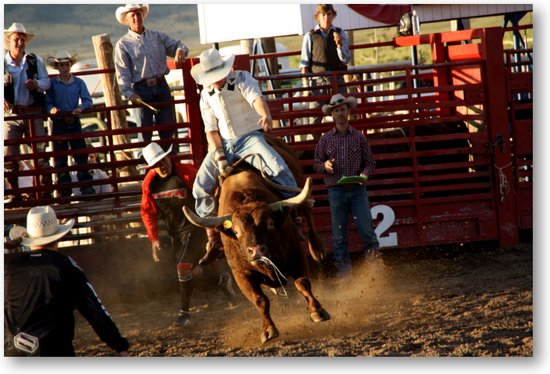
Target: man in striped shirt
(345,152)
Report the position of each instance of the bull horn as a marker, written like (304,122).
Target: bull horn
(206,221)
(294,201)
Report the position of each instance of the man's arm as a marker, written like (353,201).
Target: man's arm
(123,72)
(263,110)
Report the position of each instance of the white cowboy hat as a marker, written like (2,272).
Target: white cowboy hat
(42,227)
(18,28)
(212,67)
(338,100)
(123,10)
(152,154)
(60,57)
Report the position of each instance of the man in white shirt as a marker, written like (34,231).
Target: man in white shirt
(234,113)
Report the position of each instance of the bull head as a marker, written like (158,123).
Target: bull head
(279,205)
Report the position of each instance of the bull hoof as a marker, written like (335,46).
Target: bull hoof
(268,334)
(320,315)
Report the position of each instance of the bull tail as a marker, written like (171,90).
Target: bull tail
(316,247)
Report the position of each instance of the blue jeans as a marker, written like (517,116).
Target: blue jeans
(343,202)
(60,128)
(269,161)
(165,116)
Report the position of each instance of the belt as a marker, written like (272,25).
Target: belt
(347,186)
(155,81)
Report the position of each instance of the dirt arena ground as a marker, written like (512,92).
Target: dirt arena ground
(459,301)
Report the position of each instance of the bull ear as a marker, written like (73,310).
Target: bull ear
(294,201)
(206,221)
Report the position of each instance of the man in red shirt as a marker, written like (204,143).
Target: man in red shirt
(165,190)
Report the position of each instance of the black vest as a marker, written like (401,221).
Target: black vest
(324,56)
(32,73)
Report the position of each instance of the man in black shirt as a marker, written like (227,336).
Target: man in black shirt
(42,288)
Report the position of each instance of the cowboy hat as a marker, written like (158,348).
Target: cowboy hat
(61,56)
(17,28)
(152,154)
(338,100)
(123,10)
(212,67)
(42,227)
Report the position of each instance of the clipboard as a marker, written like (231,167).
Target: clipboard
(352,179)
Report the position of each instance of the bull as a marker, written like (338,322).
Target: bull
(262,242)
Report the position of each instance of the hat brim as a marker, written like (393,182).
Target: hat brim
(155,160)
(52,61)
(350,101)
(207,78)
(28,241)
(122,11)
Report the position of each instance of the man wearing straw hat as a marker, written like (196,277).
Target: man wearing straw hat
(67,97)
(344,157)
(140,62)
(234,113)
(166,189)
(43,287)
(25,83)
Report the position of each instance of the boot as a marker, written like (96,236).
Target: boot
(214,247)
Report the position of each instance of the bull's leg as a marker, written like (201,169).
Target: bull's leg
(316,312)
(253,292)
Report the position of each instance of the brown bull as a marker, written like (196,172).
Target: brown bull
(262,242)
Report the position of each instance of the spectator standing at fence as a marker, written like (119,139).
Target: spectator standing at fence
(25,83)
(343,152)
(140,62)
(66,99)
(43,287)
(234,113)
(166,189)
(325,48)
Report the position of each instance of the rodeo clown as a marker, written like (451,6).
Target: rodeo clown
(165,190)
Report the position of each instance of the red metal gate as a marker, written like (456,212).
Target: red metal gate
(452,140)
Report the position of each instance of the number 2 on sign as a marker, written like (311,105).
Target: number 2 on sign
(388,218)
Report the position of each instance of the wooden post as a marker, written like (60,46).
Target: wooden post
(105,60)
(269,46)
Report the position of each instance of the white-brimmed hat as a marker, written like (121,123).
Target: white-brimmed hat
(212,67)
(152,154)
(42,227)
(18,28)
(338,100)
(61,56)
(123,10)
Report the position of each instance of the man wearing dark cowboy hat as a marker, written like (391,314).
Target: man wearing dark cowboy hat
(166,189)
(140,62)
(234,113)
(43,287)
(344,152)
(67,97)
(25,83)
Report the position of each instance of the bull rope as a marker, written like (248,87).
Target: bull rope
(278,275)
(266,177)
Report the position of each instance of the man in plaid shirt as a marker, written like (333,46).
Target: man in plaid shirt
(343,152)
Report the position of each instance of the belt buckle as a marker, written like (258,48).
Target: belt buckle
(151,82)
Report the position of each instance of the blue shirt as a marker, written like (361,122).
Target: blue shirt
(68,96)
(143,56)
(19,75)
